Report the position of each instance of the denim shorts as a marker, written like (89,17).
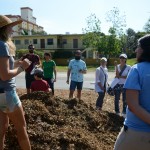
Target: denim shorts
(29,79)
(75,84)
(9,101)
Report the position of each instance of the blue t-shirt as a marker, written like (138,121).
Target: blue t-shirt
(75,66)
(4,52)
(139,79)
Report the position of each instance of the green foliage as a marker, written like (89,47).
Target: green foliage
(92,32)
(118,21)
(147,26)
(62,54)
(131,62)
(38,33)
(39,53)
(24,32)
(21,52)
(131,42)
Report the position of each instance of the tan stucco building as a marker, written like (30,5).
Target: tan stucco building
(28,25)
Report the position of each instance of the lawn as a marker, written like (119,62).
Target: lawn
(92,68)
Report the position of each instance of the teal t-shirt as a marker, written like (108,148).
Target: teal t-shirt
(48,68)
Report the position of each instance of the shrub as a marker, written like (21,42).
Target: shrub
(21,52)
(62,54)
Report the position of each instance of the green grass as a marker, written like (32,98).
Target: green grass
(89,68)
(61,68)
(64,68)
(130,62)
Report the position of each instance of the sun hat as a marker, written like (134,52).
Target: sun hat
(4,21)
(103,58)
(123,55)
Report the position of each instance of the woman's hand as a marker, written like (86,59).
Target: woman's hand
(25,63)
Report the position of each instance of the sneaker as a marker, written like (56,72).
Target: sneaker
(123,115)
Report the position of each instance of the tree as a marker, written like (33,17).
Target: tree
(118,22)
(117,39)
(131,41)
(113,45)
(147,26)
(98,41)
(92,32)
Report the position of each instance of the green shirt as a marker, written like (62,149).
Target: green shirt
(48,68)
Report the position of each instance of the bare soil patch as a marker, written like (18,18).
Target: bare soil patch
(57,123)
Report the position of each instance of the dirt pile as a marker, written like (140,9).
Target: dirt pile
(61,124)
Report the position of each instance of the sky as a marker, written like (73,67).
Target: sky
(61,16)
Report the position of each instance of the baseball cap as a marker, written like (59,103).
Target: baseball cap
(104,58)
(123,55)
(38,72)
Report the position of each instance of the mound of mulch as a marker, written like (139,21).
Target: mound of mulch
(57,123)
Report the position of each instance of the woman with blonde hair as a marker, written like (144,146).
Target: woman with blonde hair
(10,104)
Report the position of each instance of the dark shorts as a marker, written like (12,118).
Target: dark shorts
(29,79)
(51,83)
(75,84)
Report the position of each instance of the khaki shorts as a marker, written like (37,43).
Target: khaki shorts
(9,101)
(129,139)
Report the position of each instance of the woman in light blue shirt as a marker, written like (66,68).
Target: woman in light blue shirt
(135,135)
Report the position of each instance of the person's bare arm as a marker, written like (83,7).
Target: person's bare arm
(49,90)
(6,73)
(55,73)
(68,75)
(132,97)
(83,71)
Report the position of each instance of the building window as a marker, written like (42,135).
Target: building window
(49,41)
(17,42)
(26,42)
(34,41)
(64,41)
(75,43)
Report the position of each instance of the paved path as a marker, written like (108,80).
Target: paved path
(61,80)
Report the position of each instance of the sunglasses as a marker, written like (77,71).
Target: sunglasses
(122,58)
(31,48)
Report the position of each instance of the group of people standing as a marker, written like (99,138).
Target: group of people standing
(39,77)
(134,85)
(101,77)
(134,81)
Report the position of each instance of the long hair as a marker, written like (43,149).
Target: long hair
(144,43)
(5,38)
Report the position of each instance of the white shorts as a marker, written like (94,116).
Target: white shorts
(9,101)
